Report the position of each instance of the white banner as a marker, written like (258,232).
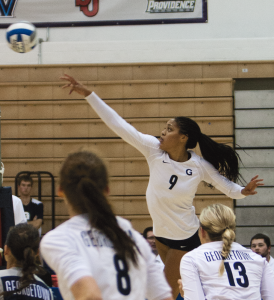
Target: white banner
(56,13)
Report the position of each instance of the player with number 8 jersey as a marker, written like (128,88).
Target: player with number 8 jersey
(95,254)
(175,173)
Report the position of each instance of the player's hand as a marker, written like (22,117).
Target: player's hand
(251,186)
(75,86)
(181,287)
(35,218)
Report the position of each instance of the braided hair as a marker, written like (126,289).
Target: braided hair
(219,222)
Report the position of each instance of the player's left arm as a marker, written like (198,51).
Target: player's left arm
(231,189)
(191,283)
(251,186)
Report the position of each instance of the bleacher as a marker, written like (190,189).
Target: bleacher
(41,123)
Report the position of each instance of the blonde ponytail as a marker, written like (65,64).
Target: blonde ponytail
(219,222)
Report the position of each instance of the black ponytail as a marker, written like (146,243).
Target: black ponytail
(84,180)
(221,156)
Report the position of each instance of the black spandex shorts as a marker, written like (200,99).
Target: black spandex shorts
(184,245)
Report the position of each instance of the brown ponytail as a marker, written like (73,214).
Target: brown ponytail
(84,180)
(23,241)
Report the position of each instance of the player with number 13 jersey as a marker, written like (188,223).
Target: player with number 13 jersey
(247,275)
(221,269)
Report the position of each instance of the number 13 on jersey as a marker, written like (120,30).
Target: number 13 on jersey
(242,280)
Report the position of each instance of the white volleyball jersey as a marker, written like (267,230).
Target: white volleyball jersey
(172,185)
(75,250)
(271,263)
(247,275)
(18,210)
(37,290)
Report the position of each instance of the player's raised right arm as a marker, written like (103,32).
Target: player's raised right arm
(144,143)
(75,86)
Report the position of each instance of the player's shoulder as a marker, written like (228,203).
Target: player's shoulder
(123,223)
(207,247)
(238,247)
(199,159)
(127,227)
(16,199)
(246,254)
(9,272)
(194,254)
(35,201)
(195,158)
(76,223)
(60,236)
(271,261)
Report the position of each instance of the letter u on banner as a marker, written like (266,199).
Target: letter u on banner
(85,9)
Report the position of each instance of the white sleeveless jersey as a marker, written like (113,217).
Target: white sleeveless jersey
(172,185)
(247,275)
(75,250)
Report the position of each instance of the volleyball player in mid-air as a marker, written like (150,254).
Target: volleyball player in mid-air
(95,255)
(222,269)
(175,173)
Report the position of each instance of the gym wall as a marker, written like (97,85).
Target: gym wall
(236,30)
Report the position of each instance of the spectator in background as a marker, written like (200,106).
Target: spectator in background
(33,208)
(149,236)
(260,244)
